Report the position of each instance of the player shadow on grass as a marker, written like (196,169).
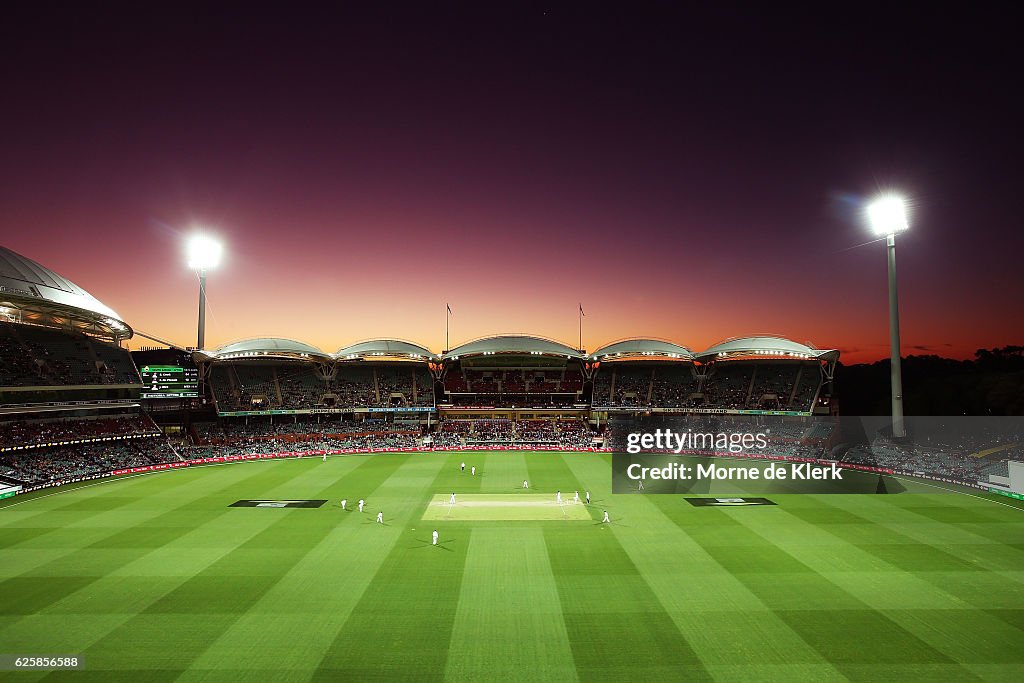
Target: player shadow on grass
(443,545)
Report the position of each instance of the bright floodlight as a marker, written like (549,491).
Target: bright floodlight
(203,252)
(888,215)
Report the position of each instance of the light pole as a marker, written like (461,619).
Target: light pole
(203,254)
(888,216)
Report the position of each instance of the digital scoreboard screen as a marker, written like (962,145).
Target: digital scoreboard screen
(169,381)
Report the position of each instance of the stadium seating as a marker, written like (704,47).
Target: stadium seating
(31,434)
(63,463)
(40,356)
(296,386)
(624,385)
(945,461)
(565,433)
(519,387)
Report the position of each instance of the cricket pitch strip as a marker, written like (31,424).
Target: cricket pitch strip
(506,507)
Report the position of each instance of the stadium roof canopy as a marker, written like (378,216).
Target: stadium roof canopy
(266,347)
(380,349)
(628,349)
(513,344)
(765,347)
(32,293)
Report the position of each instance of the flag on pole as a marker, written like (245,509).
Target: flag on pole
(581,311)
(448,306)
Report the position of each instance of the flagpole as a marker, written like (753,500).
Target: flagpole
(447,314)
(580,348)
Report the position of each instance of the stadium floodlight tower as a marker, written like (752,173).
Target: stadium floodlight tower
(204,253)
(888,216)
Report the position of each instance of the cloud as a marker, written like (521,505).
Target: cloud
(930,347)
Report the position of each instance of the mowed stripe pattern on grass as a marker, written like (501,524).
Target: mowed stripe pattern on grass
(156,578)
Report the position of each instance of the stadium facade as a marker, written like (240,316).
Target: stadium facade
(74,403)
(63,347)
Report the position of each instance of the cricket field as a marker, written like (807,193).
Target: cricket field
(241,572)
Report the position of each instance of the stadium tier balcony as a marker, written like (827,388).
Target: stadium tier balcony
(673,386)
(227,430)
(24,434)
(237,437)
(296,386)
(40,356)
(355,387)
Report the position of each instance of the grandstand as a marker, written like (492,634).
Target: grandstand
(264,374)
(66,384)
(646,373)
(68,389)
(512,372)
(767,373)
(58,344)
(741,375)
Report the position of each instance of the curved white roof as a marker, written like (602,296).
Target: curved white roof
(642,348)
(385,348)
(266,347)
(767,347)
(35,290)
(513,343)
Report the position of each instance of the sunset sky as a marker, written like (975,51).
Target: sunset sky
(684,176)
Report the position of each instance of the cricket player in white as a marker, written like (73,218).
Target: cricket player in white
(361,502)
(380,517)
(435,536)
(576,497)
(344,502)
(452,500)
(325,457)
(558,497)
(463,467)
(606,520)
(526,484)
(472,470)
(588,497)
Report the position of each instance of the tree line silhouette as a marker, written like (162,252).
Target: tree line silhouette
(991,383)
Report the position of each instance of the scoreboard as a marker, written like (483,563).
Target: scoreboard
(169,381)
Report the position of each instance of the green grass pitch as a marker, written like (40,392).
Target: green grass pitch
(156,578)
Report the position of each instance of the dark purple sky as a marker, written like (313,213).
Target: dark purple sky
(685,175)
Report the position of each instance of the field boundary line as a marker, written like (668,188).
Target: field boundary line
(963,493)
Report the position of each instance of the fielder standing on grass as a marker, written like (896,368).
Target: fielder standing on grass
(463,466)
(606,520)
(361,503)
(526,484)
(380,517)
(558,497)
(472,470)
(588,497)
(435,536)
(452,500)
(576,497)
(344,502)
